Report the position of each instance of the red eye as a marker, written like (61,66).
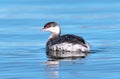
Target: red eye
(48,26)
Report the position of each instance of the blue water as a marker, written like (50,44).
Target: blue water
(22,45)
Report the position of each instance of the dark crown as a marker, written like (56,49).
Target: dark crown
(50,24)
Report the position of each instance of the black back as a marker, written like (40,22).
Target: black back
(70,38)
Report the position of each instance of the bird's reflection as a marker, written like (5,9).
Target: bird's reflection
(54,61)
(52,69)
(66,54)
(53,64)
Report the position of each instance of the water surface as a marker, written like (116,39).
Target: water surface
(22,45)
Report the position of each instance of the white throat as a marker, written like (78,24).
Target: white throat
(55,32)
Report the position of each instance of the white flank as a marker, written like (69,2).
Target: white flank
(70,47)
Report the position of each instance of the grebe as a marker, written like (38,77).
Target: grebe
(64,43)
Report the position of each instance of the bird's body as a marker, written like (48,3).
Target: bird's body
(64,43)
(68,42)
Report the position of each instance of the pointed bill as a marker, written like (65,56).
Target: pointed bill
(42,30)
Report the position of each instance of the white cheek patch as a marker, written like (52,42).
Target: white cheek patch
(55,29)
(69,47)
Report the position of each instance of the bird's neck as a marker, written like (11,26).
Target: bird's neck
(55,33)
(53,36)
